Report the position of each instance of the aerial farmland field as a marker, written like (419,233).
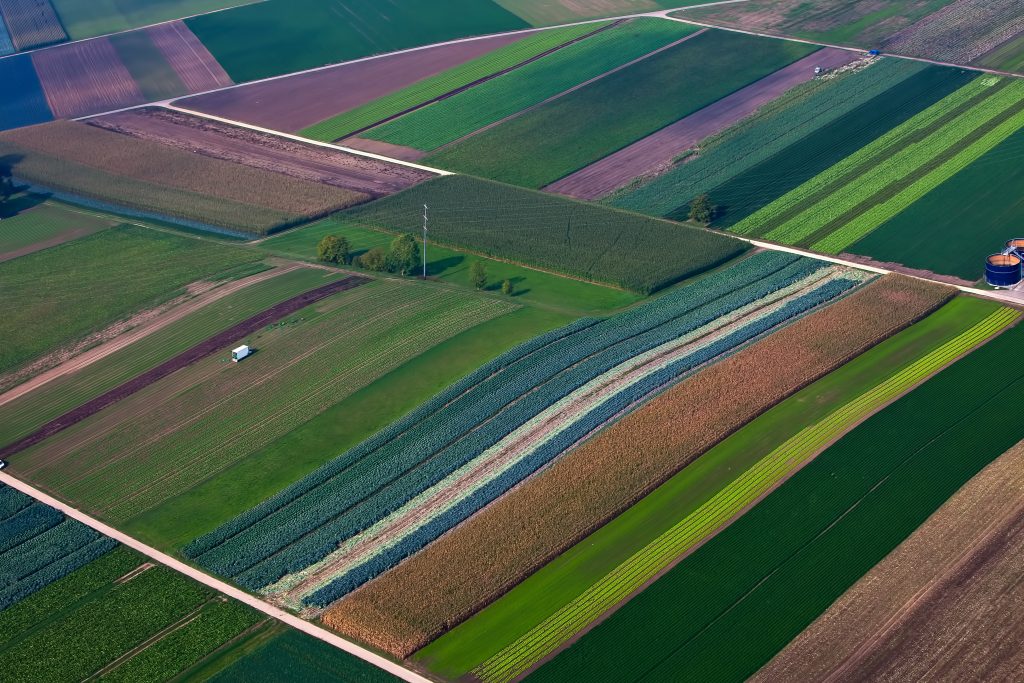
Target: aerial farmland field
(492,341)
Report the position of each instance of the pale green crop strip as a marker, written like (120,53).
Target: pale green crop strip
(898,166)
(874,218)
(790,200)
(727,503)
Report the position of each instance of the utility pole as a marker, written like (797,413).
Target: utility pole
(424,241)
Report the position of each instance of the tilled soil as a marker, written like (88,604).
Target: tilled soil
(260,150)
(195,66)
(216,343)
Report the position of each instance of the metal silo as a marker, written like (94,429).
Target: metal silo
(1003,270)
(1016,246)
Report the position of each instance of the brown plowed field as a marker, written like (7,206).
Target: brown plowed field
(195,66)
(944,606)
(85,78)
(655,152)
(291,103)
(32,23)
(263,151)
(217,343)
(383,148)
(450,580)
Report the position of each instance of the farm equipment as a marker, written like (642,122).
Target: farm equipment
(239,353)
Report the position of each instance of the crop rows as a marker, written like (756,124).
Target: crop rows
(347,123)
(26,524)
(960,32)
(764,135)
(572,360)
(723,506)
(480,106)
(461,498)
(32,23)
(497,548)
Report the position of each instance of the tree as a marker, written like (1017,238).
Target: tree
(375,260)
(506,288)
(403,254)
(333,249)
(478,274)
(6,184)
(701,209)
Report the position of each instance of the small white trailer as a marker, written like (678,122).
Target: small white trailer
(239,353)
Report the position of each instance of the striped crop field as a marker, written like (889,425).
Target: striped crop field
(164,439)
(456,117)
(425,474)
(730,501)
(534,44)
(856,196)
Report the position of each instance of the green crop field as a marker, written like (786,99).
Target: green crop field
(708,618)
(64,293)
(29,412)
(956,225)
(452,266)
(373,112)
(447,121)
(581,240)
(282,36)
(89,18)
(39,225)
(557,601)
(564,135)
(148,66)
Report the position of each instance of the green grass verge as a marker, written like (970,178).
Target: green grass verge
(45,223)
(446,121)
(730,606)
(452,266)
(575,130)
(265,472)
(60,295)
(370,113)
(558,600)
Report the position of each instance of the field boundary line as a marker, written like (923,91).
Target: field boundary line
(216,584)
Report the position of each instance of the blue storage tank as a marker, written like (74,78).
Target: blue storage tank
(1003,270)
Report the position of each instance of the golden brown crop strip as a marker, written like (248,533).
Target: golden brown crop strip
(462,572)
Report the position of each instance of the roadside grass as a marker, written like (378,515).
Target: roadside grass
(813,537)
(59,295)
(45,222)
(452,266)
(565,135)
(263,473)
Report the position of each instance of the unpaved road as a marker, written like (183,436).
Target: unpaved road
(656,151)
(260,150)
(216,584)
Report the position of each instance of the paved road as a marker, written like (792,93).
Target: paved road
(218,585)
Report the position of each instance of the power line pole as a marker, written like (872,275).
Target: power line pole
(424,241)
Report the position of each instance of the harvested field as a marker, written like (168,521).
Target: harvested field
(658,151)
(32,23)
(85,78)
(962,32)
(475,564)
(582,240)
(44,226)
(189,58)
(947,598)
(215,344)
(292,103)
(23,102)
(263,151)
(153,176)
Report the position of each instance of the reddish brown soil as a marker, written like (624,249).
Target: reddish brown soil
(216,343)
(195,66)
(900,268)
(263,151)
(656,152)
(84,78)
(292,103)
(384,148)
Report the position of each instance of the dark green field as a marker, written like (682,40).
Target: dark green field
(955,226)
(281,36)
(582,240)
(729,607)
(147,65)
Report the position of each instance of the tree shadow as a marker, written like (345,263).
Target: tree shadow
(442,265)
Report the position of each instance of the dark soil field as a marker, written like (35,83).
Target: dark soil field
(85,78)
(263,151)
(189,58)
(217,343)
(291,103)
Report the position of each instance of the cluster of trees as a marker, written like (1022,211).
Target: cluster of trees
(6,184)
(400,258)
(702,210)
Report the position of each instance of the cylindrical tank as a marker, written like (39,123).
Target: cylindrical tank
(1016,246)
(1003,270)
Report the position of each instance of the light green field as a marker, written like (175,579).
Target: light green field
(449,265)
(576,587)
(44,225)
(90,18)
